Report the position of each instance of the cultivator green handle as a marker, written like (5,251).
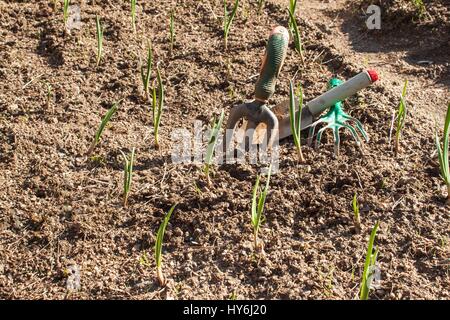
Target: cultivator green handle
(272,62)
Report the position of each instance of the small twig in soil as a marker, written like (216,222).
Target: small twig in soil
(32,80)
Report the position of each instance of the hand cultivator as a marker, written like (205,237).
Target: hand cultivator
(336,119)
(276,120)
(258,111)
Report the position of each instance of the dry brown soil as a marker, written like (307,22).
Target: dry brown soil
(59,209)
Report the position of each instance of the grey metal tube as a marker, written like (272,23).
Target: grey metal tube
(341,92)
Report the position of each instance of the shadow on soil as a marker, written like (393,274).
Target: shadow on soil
(425,43)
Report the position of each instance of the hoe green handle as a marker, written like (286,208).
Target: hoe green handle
(272,63)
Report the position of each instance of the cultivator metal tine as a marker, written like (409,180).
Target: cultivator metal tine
(312,131)
(319,134)
(244,125)
(271,121)
(253,114)
(361,129)
(249,134)
(236,114)
(354,133)
(359,126)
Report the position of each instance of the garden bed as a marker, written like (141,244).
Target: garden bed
(58,208)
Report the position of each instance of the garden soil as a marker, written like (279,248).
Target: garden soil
(61,212)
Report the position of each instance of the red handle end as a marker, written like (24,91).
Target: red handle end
(373,75)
